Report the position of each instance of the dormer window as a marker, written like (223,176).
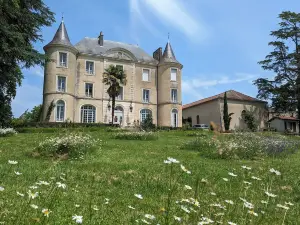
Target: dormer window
(63,59)
(89,67)
(173,74)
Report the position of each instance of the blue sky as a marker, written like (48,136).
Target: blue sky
(218,42)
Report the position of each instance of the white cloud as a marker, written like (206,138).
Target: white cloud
(171,13)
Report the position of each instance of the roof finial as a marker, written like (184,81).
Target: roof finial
(168,36)
(62,18)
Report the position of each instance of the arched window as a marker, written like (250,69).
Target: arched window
(198,119)
(60,110)
(88,114)
(144,114)
(174,118)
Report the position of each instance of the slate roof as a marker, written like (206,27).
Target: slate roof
(91,46)
(169,55)
(231,94)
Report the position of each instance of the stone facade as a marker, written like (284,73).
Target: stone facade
(72,69)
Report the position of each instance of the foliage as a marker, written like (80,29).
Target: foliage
(103,187)
(284,61)
(34,115)
(242,146)
(20,26)
(49,111)
(199,133)
(4,132)
(143,136)
(249,118)
(72,145)
(147,124)
(114,77)
(226,116)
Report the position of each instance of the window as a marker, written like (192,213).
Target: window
(88,114)
(120,96)
(60,111)
(89,90)
(61,84)
(144,114)
(174,95)
(146,73)
(173,74)
(119,67)
(89,67)
(63,59)
(174,118)
(146,95)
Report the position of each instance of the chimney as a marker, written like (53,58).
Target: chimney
(157,54)
(100,39)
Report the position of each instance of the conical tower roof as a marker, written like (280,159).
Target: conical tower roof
(61,37)
(169,55)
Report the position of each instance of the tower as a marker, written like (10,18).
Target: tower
(60,76)
(169,103)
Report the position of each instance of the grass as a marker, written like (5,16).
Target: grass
(107,179)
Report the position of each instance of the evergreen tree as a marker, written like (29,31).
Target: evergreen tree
(284,61)
(226,115)
(20,24)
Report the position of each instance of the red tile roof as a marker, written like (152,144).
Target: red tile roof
(231,94)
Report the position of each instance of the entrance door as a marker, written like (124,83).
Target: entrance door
(174,118)
(119,118)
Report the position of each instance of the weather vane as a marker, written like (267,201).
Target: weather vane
(62,17)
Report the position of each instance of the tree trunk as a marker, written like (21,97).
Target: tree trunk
(113,102)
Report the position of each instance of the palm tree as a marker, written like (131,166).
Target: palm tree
(115,78)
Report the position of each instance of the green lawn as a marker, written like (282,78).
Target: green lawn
(107,179)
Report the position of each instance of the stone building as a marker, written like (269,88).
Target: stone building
(211,109)
(73,80)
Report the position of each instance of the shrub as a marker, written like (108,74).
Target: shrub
(4,132)
(147,124)
(143,136)
(242,146)
(71,145)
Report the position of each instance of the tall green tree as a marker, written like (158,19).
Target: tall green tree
(34,115)
(20,26)
(283,90)
(226,116)
(114,77)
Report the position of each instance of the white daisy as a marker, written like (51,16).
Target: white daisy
(32,195)
(232,174)
(42,183)
(46,212)
(12,162)
(184,169)
(264,202)
(251,212)
(225,179)
(270,194)
(138,196)
(213,193)
(77,206)
(289,203)
(229,202)
(187,187)
(177,218)
(130,207)
(246,182)
(20,194)
(61,185)
(34,206)
(149,216)
(246,167)
(33,187)
(78,219)
(185,209)
(1,188)
(282,206)
(231,223)
(18,173)
(95,208)
(172,160)
(272,170)
(248,205)
(255,178)
(145,221)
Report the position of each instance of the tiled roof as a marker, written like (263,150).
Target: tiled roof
(231,94)
(284,118)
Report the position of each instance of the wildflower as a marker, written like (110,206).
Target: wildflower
(187,187)
(149,216)
(282,206)
(232,174)
(185,209)
(33,187)
(213,193)
(270,194)
(138,196)
(251,212)
(42,183)
(12,162)
(246,167)
(171,160)
(272,170)
(167,162)
(18,173)
(264,202)
(32,195)
(231,223)
(204,181)
(246,182)
(95,208)
(63,179)
(244,200)
(77,206)
(78,219)
(255,178)
(34,206)
(61,185)
(248,205)
(289,203)
(145,221)
(177,218)
(1,188)
(130,207)
(46,212)
(229,202)
(218,205)
(20,194)
(225,179)
(185,170)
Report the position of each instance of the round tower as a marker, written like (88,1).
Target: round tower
(169,89)
(60,77)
